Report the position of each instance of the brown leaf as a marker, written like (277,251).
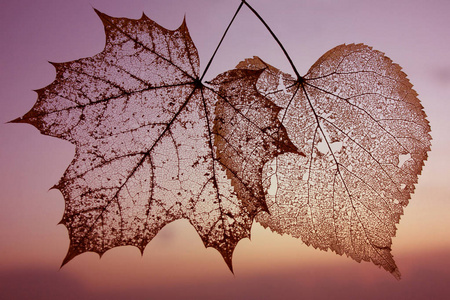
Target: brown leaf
(248,134)
(142,124)
(365,136)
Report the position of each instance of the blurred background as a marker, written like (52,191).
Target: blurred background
(415,34)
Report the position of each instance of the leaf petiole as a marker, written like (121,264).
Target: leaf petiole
(221,40)
(299,78)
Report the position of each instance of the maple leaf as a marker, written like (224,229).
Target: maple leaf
(144,127)
(365,138)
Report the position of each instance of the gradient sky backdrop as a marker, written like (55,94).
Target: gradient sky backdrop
(414,33)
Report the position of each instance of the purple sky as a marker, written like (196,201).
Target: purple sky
(415,34)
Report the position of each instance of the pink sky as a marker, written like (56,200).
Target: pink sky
(175,265)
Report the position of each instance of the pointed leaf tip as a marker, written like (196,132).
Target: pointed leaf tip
(144,16)
(70,255)
(99,13)
(106,19)
(397,275)
(17,120)
(229,262)
(183,26)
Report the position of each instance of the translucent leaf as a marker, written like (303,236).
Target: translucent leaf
(365,138)
(145,130)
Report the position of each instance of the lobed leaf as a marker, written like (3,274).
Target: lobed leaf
(144,128)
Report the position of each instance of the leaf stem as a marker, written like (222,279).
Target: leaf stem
(221,40)
(300,78)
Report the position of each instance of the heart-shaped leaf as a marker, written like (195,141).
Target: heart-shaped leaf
(365,136)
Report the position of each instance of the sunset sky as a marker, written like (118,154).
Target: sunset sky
(175,265)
